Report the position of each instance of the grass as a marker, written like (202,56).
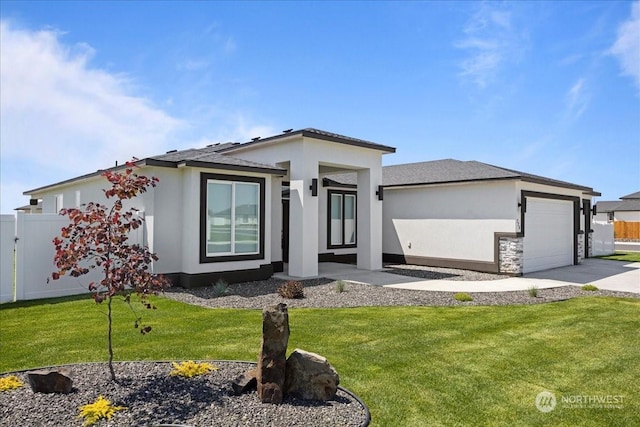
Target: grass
(623,256)
(463,297)
(413,366)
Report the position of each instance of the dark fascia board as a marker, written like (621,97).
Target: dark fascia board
(317,135)
(422,184)
(585,190)
(327,182)
(161,164)
(238,168)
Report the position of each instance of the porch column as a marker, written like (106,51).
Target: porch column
(369,220)
(303,219)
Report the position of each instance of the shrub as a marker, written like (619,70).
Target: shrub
(533,291)
(220,288)
(9,383)
(190,369)
(101,408)
(340,285)
(291,290)
(589,287)
(463,296)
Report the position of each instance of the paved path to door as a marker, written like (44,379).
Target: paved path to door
(611,275)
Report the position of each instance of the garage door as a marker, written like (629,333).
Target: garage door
(548,240)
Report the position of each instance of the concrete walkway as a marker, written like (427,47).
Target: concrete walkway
(610,275)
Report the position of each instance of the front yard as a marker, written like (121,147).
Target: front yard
(412,366)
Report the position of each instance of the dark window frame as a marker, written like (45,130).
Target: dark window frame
(343,193)
(204,179)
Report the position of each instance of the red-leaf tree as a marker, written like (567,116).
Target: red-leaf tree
(97,238)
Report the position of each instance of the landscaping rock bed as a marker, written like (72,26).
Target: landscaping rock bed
(323,293)
(152,397)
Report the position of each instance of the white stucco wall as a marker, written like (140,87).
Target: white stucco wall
(448,221)
(628,216)
(305,158)
(190,243)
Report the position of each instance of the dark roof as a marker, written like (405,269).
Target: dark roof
(317,134)
(618,205)
(635,195)
(450,171)
(207,157)
(630,202)
(210,157)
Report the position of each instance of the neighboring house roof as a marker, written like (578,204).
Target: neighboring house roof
(635,195)
(449,171)
(207,157)
(618,205)
(630,202)
(317,134)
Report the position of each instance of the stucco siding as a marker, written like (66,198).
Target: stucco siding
(448,221)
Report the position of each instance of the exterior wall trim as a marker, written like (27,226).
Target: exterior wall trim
(576,214)
(204,177)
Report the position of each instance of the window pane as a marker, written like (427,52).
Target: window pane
(218,217)
(336,219)
(246,218)
(349,219)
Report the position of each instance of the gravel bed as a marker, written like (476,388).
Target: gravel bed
(152,397)
(437,273)
(323,293)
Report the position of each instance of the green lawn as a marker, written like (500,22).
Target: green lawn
(623,256)
(413,366)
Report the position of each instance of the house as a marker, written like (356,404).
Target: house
(624,214)
(471,215)
(626,209)
(243,211)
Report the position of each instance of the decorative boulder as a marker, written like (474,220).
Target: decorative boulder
(45,381)
(245,382)
(272,360)
(310,376)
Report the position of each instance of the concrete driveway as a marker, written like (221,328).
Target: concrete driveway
(611,275)
(605,274)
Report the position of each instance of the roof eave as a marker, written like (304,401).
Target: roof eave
(309,134)
(237,168)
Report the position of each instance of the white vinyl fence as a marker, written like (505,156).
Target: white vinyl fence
(7,236)
(27,241)
(603,243)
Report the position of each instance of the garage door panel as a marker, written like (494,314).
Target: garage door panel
(548,241)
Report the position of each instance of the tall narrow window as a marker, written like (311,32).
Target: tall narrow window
(342,219)
(232,220)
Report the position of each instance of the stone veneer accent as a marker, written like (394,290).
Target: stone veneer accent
(590,247)
(511,255)
(580,248)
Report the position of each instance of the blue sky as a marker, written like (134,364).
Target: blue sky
(550,88)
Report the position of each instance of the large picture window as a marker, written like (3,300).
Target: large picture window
(232,218)
(342,219)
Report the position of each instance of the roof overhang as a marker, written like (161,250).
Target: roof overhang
(310,133)
(162,164)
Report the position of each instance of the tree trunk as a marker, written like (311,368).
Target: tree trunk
(109,340)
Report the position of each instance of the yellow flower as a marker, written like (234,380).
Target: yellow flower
(10,382)
(101,408)
(191,369)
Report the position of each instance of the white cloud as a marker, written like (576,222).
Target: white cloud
(627,46)
(491,42)
(578,99)
(62,117)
